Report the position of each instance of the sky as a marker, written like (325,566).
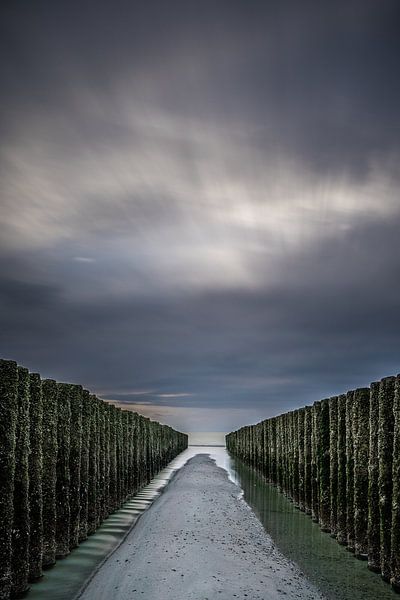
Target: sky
(200,208)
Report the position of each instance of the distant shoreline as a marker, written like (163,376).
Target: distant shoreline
(207,445)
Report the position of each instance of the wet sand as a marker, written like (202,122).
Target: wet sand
(199,541)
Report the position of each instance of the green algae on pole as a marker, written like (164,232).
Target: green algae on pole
(113,501)
(21,526)
(50,417)
(324,467)
(316,408)
(350,471)
(361,455)
(341,504)
(63,472)
(395,576)
(385,453)
(374,539)
(106,408)
(333,453)
(84,474)
(295,458)
(75,392)
(301,460)
(8,421)
(307,458)
(35,477)
(92,487)
(101,479)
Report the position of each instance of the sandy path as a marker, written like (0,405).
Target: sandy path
(199,541)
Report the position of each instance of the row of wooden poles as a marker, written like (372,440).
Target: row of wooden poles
(67,460)
(339,461)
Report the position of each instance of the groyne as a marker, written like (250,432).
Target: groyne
(339,461)
(67,461)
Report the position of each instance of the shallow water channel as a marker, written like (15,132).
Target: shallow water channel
(329,566)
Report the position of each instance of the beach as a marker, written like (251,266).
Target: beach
(198,541)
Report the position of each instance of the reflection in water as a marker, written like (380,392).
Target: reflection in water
(333,570)
(328,565)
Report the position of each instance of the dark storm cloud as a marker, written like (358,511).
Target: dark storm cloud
(200,206)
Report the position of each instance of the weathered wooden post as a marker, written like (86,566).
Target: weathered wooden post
(301,461)
(20,526)
(50,447)
(75,393)
(341,520)
(307,459)
(35,477)
(287,452)
(63,472)
(333,452)
(99,488)
(266,450)
(324,467)
(84,471)
(8,422)
(316,408)
(395,576)
(296,457)
(361,456)
(101,462)
(273,423)
(374,530)
(113,459)
(106,459)
(385,452)
(350,471)
(93,467)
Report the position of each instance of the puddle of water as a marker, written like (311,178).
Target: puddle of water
(328,565)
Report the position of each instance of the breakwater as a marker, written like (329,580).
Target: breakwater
(339,461)
(67,461)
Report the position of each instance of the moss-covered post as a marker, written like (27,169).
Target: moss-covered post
(106,459)
(324,467)
(316,409)
(361,456)
(84,474)
(265,449)
(395,577)
(75,392)
(101,462)
(35,477)
(113,460)
(63,473)
(140,449)
(333,444)
(287,455)
(50,445)
(341,520)
(135,451)
(279,435)
(374,535)
(385,452)
(301,461)
(307,459)
(350,471)
(93,466)
(296,444)
(20,527)
(273,423)
(8,421)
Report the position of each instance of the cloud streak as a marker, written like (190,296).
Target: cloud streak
(200,213)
